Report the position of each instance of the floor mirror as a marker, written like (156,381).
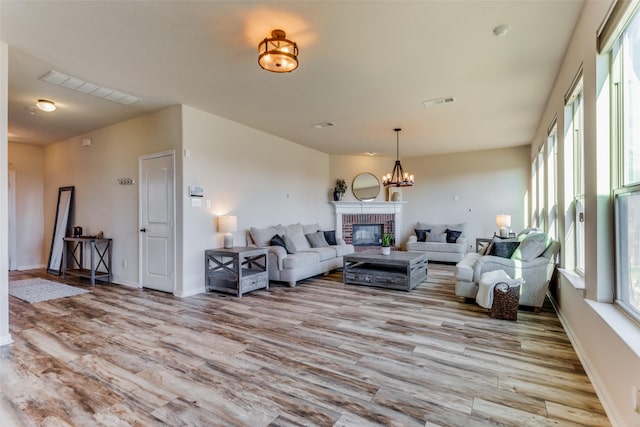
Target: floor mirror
(64,212)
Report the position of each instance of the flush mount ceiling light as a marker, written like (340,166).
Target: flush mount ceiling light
(398,177)
(277,54)
(500,30)
(46,105)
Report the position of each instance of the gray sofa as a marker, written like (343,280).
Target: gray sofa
(533,260)
(301,252)
(436,245)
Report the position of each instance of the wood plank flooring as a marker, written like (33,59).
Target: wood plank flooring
(321,354)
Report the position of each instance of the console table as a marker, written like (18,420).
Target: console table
(399,270)
(99,256)
(236,270)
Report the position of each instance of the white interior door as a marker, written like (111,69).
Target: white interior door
(12,221)
(157,206)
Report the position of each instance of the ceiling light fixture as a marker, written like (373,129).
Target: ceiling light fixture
(277,54)
(46,105)
(398,177)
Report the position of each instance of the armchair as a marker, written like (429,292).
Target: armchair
(534,263)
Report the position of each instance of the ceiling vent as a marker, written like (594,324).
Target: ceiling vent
(323,125)
(83,86)
(438,101)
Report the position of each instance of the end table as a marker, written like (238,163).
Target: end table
(236,270)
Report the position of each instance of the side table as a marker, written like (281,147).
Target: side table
(99,256)
(237,270)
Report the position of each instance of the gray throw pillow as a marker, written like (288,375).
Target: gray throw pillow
(421,235)
(296,234)
(289,245)
(330,237)
(437,237)
(317,240)
(532,247)
(262,236)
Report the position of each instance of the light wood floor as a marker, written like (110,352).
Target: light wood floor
(318,354)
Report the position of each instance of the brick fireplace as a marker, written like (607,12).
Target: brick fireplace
(389,214)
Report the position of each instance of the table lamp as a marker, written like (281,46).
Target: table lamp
(504,222)
(228,224)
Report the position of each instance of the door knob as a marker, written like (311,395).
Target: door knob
(144,230)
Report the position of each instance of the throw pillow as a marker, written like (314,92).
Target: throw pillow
(262,236)
(532,246)
(504,248)
(437,237)
(295,233)
(311,228)
(452,235)
(330,237)
(278,241)
(422,234)
(289,244)
(317,240)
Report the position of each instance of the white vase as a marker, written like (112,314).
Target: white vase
(386,250)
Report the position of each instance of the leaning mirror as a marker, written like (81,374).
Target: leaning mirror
(366,187)
(60,228)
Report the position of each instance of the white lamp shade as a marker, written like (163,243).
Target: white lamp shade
(503,220)
(227,223)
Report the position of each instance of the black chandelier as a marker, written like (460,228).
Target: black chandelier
(398,177)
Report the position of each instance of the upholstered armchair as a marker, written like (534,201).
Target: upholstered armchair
(533,259)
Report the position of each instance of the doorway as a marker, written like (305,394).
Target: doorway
(156,220)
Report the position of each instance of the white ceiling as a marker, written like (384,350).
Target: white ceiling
(367,66)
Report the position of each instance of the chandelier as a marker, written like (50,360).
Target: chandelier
(277,54)
(398,177)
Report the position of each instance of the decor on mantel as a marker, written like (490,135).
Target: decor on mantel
(277,54)
(398,177)
(339,189)
(387,238)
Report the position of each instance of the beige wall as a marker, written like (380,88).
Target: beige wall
(468,187)
(601,334)
(101,204)
(5,336)
(262,179)
(32,246)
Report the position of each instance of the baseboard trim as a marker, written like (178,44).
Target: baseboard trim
(5,340)
(127,283)
(30,267)
(598,384)
(189,292)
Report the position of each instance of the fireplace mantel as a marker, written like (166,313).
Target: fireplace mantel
(347,208)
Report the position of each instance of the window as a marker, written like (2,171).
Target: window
(625,78)
(575,137)
(552,198)
(534,193)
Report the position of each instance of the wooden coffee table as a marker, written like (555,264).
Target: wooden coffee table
(399,270)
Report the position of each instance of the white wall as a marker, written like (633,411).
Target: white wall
(594,324)
(101,204)
(468,187)
(28,163)
(262,179)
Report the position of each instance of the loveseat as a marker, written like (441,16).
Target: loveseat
(530,256)
(297,251)
(441,242)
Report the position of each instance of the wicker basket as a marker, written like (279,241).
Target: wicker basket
(505,301)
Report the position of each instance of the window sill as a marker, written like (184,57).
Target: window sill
(623,326)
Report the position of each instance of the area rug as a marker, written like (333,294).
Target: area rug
(38,290)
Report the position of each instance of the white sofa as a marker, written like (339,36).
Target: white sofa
(436,245)
(297,258)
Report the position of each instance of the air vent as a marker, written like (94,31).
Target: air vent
(83,86)
(323,125)
(438,101)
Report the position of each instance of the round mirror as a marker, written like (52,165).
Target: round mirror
(366,187)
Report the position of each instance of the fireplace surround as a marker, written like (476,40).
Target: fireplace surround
(388,214)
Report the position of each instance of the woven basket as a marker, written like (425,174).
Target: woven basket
(505,301)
